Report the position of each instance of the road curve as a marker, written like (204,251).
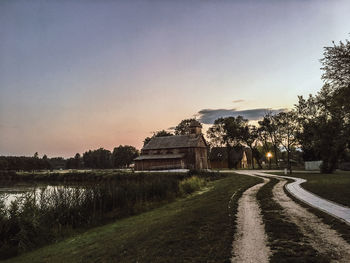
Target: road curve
(334,209)
(250,241)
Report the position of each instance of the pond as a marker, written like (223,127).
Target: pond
(11,191)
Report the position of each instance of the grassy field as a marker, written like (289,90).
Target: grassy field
(198,228)
(334,187)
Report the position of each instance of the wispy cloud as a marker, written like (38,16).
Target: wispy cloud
(238,101)
(208,116)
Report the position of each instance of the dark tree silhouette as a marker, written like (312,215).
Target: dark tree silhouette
(183,127)
(123,156)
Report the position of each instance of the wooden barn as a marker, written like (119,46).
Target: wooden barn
(175,152)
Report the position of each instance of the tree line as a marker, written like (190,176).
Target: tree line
(121,157)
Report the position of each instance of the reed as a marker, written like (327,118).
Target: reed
(38,218)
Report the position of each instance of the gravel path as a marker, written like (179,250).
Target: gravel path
(250,241)
(339,211)
(324,239)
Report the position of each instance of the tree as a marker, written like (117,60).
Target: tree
(100,158)
(335,94)
(268,133)
(336,66)
(161,133)
(324,131)
(250,136)
(123,156)
(45,163)
(3,163)
(77,161)
(74,163)
(325,117)
(227,131)
(183,128)
(287,129)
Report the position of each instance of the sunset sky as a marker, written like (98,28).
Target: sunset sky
(79,75)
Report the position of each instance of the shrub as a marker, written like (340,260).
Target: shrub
(189,185)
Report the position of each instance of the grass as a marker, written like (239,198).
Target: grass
(197,228)
(38,218)
(286,241)
(334,187)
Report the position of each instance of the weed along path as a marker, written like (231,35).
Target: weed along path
(250,241)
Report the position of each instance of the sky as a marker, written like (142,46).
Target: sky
(78,75)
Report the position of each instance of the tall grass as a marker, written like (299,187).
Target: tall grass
(192,184)
(37,218)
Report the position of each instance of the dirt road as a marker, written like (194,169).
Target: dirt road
(322,238)
(250,242)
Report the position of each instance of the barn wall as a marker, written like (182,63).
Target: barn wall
(218,164)
(160,164)
(194,159)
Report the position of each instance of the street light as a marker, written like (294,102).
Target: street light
(269,156)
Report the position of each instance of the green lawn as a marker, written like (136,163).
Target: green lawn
(194,229)
(334,187)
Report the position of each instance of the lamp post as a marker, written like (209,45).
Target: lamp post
(269,156)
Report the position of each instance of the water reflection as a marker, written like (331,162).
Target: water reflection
(10,192)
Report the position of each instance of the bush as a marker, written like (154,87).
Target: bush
(189,185)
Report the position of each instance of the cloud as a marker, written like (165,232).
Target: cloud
(238,101)
(208,116)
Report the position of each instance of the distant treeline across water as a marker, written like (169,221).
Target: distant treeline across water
(121,157)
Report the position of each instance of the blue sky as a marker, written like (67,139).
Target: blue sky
(78,75)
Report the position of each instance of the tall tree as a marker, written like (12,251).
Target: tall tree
(288,127)
(183,127)
(336,67)
(324,131)
(227,131)
(268,133)
(325,118)
(123,156)
(250,136)
(100,158)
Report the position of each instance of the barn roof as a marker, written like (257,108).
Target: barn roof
(176,141)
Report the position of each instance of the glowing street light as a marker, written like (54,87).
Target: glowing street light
(269,156)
